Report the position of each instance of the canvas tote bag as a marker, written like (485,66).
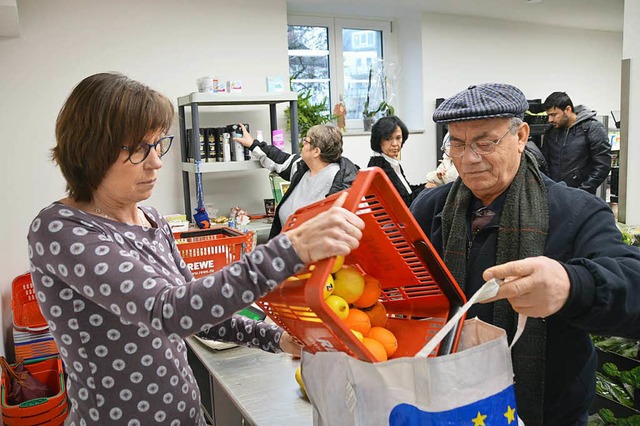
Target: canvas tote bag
(473,386)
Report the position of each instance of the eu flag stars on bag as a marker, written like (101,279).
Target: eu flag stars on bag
(496,410)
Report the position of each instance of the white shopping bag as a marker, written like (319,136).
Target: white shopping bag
(473,386)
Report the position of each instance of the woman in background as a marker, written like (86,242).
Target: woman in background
(388,136)
(446,171)
(318,171)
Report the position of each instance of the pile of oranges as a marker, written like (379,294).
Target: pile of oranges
(353,296)
(367,317)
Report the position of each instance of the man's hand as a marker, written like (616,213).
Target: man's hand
(246,139)
(536,287)
(334,232)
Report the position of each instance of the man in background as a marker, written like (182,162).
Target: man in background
(577,147)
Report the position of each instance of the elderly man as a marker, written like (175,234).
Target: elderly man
(557,249)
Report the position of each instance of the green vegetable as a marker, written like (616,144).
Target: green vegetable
(631,377)
(610,369)
(620,345)
(613,390)
(629,421)
(607,415)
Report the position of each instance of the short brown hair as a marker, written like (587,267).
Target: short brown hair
(103,113)
(329,140)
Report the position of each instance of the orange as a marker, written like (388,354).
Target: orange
(377,314)
(376,348)
(358,320)
(371,292)
(385,337)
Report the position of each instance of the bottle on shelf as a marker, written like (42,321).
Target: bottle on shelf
(245,150)
(226,147)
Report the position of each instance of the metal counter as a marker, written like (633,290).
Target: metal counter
(243,386)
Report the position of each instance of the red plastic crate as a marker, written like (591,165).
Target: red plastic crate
(26,312)
(46,410)
(208,250)
(419,293)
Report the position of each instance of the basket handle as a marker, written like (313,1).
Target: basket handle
(33,402)
(487,291)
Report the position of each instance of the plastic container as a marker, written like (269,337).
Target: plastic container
(47,410)
(26,312)
(418,291)
(209,250)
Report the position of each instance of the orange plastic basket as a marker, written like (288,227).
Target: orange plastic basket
(208,250)
(26,312)
(40,410)
(418,291)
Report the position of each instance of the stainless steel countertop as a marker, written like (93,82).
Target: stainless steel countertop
(260,384)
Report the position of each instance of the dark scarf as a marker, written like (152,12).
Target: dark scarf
(522,232)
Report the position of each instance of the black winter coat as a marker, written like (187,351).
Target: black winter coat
(408,197)
(605,287)
(580,156)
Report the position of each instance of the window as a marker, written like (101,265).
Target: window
(334,59)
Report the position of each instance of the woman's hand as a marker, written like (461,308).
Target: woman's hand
(334,232)
(290,346)
(246,139)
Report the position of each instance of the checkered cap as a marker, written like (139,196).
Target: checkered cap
(490,100)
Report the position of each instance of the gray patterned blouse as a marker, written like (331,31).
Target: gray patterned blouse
(119,300)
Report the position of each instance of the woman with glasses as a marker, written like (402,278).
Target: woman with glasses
(116,294)
(446,171)
(318,171)
(388,136)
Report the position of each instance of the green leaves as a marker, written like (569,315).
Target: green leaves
(309,113)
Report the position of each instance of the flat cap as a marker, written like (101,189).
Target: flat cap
(490,100)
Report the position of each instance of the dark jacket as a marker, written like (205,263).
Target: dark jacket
(580,156)
(539,157)
(408,197)
(291,167)
(605,287)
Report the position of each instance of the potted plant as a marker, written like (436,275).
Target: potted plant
(309,113)
(368,115)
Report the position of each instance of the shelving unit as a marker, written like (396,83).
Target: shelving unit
(196,100)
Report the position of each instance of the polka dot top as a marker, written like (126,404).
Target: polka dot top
(119,300)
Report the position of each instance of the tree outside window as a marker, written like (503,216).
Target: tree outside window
(333,58)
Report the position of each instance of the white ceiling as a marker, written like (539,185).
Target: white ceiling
(604,15)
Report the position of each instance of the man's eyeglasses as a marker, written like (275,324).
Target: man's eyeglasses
(482,147)
(139,153)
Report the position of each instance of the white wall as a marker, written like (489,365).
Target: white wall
(167,44)
(538,59)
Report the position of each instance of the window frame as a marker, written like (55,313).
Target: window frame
(334,27)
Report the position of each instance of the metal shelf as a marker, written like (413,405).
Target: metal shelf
(228,166)
(195,100)
(212,99)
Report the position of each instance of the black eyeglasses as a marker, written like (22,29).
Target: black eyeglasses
(139,153)
(481,147)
